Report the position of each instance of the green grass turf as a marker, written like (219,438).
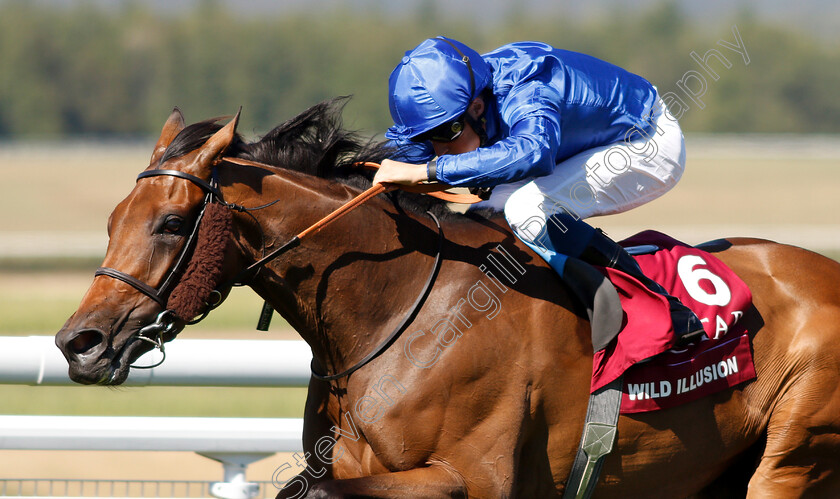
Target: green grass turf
(152,401)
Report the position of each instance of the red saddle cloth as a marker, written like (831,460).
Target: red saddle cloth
(655,376)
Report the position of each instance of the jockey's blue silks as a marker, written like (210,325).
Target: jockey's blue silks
(547,105)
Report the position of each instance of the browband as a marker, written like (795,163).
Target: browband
(176,173)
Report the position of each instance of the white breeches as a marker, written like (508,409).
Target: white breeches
(601,181)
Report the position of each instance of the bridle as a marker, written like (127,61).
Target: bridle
(167,321)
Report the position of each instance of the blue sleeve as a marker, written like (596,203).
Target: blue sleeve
(532,112)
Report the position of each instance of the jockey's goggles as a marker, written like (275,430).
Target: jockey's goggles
(446,132)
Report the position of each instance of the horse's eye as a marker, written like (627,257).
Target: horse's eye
(172,225)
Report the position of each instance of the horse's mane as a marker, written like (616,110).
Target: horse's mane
(316,143)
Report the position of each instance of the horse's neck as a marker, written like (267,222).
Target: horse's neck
(346,287)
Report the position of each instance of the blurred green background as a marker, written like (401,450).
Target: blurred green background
(115,69)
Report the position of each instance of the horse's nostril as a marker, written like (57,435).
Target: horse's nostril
(86,340)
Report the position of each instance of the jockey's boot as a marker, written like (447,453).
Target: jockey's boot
(605,252)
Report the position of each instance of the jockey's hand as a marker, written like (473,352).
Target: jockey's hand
(397,172)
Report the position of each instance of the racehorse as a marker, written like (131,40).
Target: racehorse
(485,393)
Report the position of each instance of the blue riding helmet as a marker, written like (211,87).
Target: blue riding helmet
(434,84)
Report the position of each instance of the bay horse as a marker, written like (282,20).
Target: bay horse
(485,393)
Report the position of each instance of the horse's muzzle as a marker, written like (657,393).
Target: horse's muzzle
(85,351)
(92,359)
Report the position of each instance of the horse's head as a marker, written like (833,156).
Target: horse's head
(128,308)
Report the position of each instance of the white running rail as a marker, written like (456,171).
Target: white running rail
(235,442)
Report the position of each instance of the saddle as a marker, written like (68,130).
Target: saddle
(632,334)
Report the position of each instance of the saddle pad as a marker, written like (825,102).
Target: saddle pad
(704,284)
(677,377)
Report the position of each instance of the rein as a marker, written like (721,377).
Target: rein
(415,308)
(167,321)
(320,224)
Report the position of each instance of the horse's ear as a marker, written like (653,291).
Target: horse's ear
(216,145)
(174,124)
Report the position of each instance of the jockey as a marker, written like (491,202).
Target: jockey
(559,136)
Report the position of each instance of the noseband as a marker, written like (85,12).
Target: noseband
(167,321)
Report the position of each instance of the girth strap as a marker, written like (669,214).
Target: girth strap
(132,281)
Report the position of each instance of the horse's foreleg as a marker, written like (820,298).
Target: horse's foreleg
(431,482)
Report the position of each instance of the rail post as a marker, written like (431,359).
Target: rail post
(234,486)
